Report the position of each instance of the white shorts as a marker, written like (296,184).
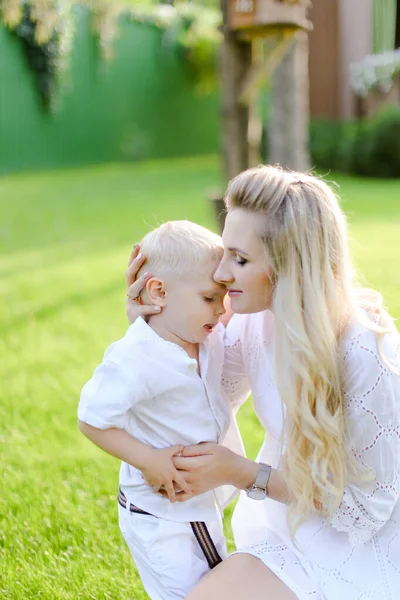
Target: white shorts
(167,555)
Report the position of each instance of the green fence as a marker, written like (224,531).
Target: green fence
(140,105)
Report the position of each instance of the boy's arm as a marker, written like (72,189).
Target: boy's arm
(156,465)
(118,443)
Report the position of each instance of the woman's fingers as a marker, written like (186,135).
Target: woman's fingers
(134,305)
(181,483)
(176,450)
(186,464)
(199,449)
(134,253)
(137,286)
(135,310)
(133,267)
(183,496)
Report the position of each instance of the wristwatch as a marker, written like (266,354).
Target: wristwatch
(259,489)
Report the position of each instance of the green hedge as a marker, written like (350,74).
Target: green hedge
(369,147)
(376,146)
(331,145)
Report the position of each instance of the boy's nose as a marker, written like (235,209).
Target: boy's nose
(220,310)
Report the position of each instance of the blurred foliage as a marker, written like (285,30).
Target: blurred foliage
(42,58)
(195,31)
(46,28)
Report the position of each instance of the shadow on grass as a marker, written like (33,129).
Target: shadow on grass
(46,312)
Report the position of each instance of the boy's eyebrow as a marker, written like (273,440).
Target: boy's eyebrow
(238,250)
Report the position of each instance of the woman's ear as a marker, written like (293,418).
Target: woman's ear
(156,291)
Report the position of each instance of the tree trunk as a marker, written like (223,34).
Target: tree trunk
(289,113)
(235,63)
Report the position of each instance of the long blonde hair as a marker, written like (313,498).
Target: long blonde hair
(304,232)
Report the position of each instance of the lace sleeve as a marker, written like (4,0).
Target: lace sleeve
(235,382)
(372,395)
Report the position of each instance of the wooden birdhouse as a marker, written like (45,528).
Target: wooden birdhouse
(263,17)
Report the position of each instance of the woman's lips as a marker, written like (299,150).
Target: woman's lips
(232,293)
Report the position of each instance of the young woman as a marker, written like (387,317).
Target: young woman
(321,357)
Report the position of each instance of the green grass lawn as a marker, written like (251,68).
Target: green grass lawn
(64,241)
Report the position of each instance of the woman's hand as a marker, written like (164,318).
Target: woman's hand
(208,465)
(228,311)
(134,306)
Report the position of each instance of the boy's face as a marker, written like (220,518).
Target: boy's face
(195,306)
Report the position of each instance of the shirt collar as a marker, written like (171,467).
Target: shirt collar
(143,332)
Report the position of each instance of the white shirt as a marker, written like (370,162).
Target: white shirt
(150,388)
(357,554)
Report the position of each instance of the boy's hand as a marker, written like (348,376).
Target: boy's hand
(159,472)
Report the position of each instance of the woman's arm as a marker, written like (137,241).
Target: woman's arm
(209,465)
(372,393)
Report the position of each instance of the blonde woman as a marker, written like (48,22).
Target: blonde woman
(319,514)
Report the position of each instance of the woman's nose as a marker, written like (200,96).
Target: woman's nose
(221,275)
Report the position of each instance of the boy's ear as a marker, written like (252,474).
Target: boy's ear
(156,291)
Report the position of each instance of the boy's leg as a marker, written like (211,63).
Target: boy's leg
(139,532)
(216,531)
(167,555)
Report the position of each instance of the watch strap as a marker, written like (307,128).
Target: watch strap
(262,479)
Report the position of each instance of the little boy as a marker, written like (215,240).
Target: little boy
(157,390)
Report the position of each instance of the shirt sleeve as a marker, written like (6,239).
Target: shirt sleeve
(235,382)
(372,396)
(108,396)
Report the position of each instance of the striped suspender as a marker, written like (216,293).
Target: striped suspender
(199,528)
(202,534)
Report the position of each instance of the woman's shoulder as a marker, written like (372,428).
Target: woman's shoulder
(363,331)
(368,353)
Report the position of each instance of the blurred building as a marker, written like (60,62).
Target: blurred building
(343,34)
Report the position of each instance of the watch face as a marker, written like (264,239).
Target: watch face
(257,494)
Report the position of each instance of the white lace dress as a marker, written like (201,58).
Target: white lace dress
(355,556)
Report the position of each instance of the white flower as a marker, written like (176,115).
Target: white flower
(375,71)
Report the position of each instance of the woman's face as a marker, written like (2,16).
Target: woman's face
(243,268)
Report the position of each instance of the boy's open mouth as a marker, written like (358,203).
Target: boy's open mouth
(209,327)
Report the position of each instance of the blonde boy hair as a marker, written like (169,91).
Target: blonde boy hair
(179,249)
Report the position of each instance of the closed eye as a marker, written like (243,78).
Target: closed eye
(240,260)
